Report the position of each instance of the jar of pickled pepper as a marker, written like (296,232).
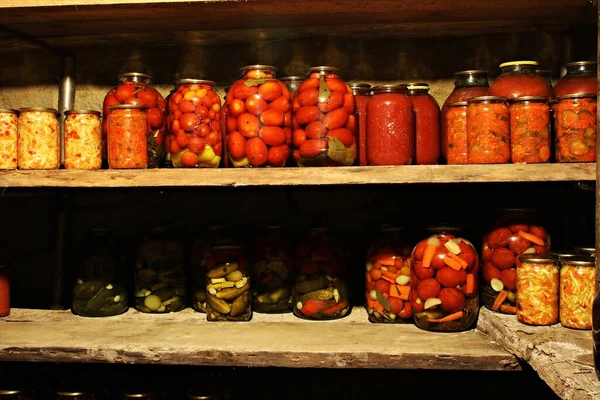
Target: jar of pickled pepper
(537,289)
(259,119)
(427,124)
(488,130)
(324,120)
(579,78)
(292,83)
(529,129)
(38,144)
(518,79)
(82,139)
(8,138)
(575,124)
(456,133)
(362,94)
(577,291)
(127,143)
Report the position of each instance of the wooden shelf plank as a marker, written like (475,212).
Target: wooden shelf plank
(301,176)
(268,340)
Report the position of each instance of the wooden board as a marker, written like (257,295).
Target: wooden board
(268,340)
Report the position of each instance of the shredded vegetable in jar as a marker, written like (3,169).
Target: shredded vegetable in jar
(8,138)
(38,145)
(577,291)
(127,142)
(537,289)
(83,139)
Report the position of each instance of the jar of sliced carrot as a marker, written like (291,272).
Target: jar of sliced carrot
(529,129)
(577,290)
(575,124)
(488,140)
(537,289)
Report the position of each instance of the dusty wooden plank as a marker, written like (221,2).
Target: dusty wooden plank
(562,357)
(268,340)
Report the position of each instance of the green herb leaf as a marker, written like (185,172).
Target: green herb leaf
(324,91)
(256,82)
(383,301)
(336,151)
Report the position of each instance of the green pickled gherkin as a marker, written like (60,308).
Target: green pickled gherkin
(99,299)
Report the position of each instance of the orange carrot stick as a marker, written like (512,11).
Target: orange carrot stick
(470,287)
(428,255)
(401,292)
(375,274)
(386,260)
(452,263)
(462,262)
(369,279)
(335,308)
(447,318)
(499,299)
(532,238)
(389,274)
(385,278)
(505,308)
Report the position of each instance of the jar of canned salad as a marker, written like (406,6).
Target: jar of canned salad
(529,129)
(456,133)
(99,289)
(259,119)
(320,290)
(292,83)
(575,124)
(387,270)
(390,127)
(82,139)
(445,293)
(577,291)
(516,232)
(362,94)
(579,78)
(127,142)
(537,289)
(136,89)
(488,124)
(159,276)
(194,124)
(38,144)
(8,138)
(546,74)
(518,79)
(12,395)
(427,124)
(4,291)
(324,120)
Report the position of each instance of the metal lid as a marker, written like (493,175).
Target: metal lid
(487,99)
(127,106)
(543,71)
(359,85)
(577,96)
(417,86)
(579,260)
(579,64)
(514,63)
(292,78)
(587,250)
(8,111)
(6,392)
(98,113)
(260,67)
(538,258)
(389,88)
(135,75)
(458,104)
(564,253)
(193,82)
(194,397)
(529,98)
(471,72)
(442,228)
(135,395)
(39,109)
(70,394)
(325,68)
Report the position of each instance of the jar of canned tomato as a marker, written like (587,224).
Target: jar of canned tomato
(537,289)
(38,144)
(292,83)
(127,136)
(427,124)
(362,94)
(8,138)
(577,291)
(456,133)
(324,120)
(575,124)
(529,129)
(488,137)
(518,79)
(580,77)
(82,139)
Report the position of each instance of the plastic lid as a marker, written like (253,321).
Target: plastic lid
(193,82)
(484,99)
(39,109)
(8,111)
(512,63)
(135,75)
(127,106)
(458,104)
(98,113)
(529,98)
(471,72)
(325,68)
(577,96)
(538,258)
(260,67)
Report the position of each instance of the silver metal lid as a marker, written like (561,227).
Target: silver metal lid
(261,67)
(538,258)
(577,96)
(193,82)
(39,109)
(325,68)
(487,99)
(579,260)
(390,88)
(135,75)
(579,64)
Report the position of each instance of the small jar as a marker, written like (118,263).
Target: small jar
(83,139)
(127,142)
(589,251)
(518,79)
(575,122)
(390,127)
(292,83)
(579,78)
(456,133)
(8,138)
(546,74)
(4,292)
(39,139)
(577,291)
(537,289)
(488,138)
(362,94)
(12,395)
(529,130)
(427,124)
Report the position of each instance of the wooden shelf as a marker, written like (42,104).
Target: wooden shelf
(301,176)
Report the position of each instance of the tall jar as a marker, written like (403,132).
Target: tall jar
(194,136)
(259,119)
(136,89)
(445,293)
(518,79)
(427,124)
(390,127)
(516,232)
(4,292)
(529,129)
(456,133)
(488,137)
(292,83)
(387,270)
(99,289)
(547,75)
(575,123)
(38,145)
(537,289)
(320,290)
(127,144)
(159,276)
(82,139)
(580,78)
(362,94)
(324,120)
(577,291)
(8,138)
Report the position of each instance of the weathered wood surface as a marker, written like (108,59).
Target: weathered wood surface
(562,357)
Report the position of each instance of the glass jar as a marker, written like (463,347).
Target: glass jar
(427,124)
(589,251)
(272,272)
(194,124)
(390,127)
(564,255)
(159,275)
(515,232)
(74,396)
(324,120)
(529,129)
(546,74)
(228,285)
(456,133)
(292,83)
(127,144)
(388,277)
(136,89)
(362,94)
(445,294)
(575,122)
(83,139)
(537,289)
(518,79)
(577,291)
(580,78)
(4,292)
(320,290)
(488,138)
(38,144)
(8,138)
(259,119)
(12,395)
(99,289)
(142,396)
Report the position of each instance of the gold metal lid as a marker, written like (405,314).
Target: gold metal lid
(193,82)
(513,63)
(458,104)
(417,86)
(7,392)
(8,111)
(538,258)
(135,395)
(577,96)
(260,67)
(70,394)
(39,109)
(471,72)
(135,75)
(98,113)
(487,99)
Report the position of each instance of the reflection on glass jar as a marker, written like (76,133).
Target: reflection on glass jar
(362,94)
(577,291)
(39,139)
(8,140)
(575,124)
(427,124)
(292,83)
(580,78)
(488,137)
(546,74)
(529,129)
(537,289)
(456,133)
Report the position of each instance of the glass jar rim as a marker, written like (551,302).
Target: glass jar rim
(292,78)
(458,104)
(580,64)
(487,99)
(519,63)
(417,86)
(471,72)
(259,67)
(192,81)
(135,75)
(68,112)
(585,249)
(538,258)
(579,260)
(564,253)
(39,109)
(127,106)
(8,111)
(360,85)
(389,88)
(325,68)
(577,96)
(536,99)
